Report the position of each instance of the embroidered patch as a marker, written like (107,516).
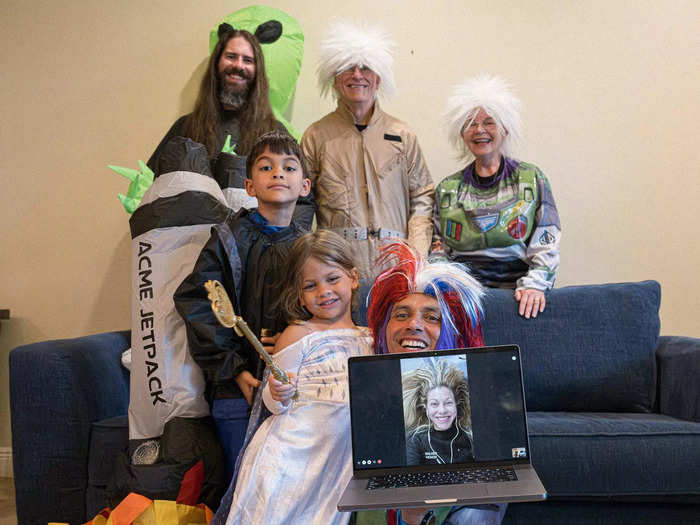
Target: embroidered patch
(546,238)
(509,213)
(485,222)
(453,230)
(395,138)
(517,227)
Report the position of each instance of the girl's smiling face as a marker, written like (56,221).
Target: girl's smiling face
(326,290)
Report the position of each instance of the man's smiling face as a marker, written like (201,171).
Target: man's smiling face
(236,66)
(357,85)
(414,324)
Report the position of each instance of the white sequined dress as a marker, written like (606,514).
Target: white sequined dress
(299,461)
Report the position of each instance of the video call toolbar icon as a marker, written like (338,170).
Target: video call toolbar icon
(370,462)
(519,452)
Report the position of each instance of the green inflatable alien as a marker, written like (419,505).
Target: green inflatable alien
(282,57)
(283,53)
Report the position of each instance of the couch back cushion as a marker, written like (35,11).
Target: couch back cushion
(592,349)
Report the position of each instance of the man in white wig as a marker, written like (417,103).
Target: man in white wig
(367,171)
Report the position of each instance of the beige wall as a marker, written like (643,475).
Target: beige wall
(610,96)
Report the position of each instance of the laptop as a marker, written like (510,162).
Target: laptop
(462,445)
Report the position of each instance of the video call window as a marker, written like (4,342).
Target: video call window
(399,419)
(436,410)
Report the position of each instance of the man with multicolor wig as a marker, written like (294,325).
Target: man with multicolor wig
(419,305)
(439,291)
(368,174)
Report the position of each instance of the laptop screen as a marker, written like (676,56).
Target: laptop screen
(436,408)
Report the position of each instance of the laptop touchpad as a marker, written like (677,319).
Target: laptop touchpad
(444,495)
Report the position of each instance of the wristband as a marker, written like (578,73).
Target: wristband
(429,518)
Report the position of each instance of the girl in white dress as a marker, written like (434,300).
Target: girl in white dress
(299,460)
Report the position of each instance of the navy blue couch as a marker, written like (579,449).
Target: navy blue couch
(613,412)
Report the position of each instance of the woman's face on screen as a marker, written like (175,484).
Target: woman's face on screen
(442,408)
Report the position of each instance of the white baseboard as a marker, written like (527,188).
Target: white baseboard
(6,462)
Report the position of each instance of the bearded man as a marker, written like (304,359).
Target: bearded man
(233,101)
(233,98)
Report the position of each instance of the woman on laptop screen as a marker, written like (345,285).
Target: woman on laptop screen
(437,414)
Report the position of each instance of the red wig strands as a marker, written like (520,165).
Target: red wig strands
(470,332)
(391,285)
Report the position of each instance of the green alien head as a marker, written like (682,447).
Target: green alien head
(282,56)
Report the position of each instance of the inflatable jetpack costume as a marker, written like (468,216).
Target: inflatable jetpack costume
(169,425)
(171,432)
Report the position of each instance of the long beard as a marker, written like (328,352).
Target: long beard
(233,99)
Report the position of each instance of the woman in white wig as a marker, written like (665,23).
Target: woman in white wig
(497,215)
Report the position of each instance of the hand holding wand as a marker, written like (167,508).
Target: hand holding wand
(223,311)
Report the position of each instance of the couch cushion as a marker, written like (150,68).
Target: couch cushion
(592,349)
(57,389)
(610,454)
(601,512)
(108,438)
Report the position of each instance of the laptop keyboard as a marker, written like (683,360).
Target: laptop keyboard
(456,477)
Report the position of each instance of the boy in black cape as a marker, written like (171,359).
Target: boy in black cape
(247,254)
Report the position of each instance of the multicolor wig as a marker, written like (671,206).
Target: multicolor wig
(416,386)
(458,295)
(347,44)
(494,96)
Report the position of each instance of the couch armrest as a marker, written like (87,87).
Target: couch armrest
(57,390)
(679,368)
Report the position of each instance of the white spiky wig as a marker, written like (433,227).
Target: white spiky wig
(494,96)
(347,44)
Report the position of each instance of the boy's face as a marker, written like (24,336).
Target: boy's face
(277,179)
